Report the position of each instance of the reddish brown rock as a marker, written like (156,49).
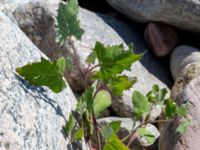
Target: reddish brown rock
(161,38)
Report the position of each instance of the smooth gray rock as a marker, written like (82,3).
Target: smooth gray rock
(182,56)
(184,14)
(189,140)
(31,117)
(101,28)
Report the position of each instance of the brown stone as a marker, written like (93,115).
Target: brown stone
(160,38)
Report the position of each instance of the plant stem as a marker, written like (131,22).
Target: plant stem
(134,135)
(157,121)
(126,137)
(95,122)
(96,131)
(90,145)
(93,67)
(89,70)
(77,62)
(99,139)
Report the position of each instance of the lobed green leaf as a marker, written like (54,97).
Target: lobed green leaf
(141,104)
(45,73)
(182,110)
(88,98)
(113,143)
(157,95)
(120,83)
(112,128)
(107,132)
(70,125)
(115,125)
(85,101)
(79,134)
(67,23)
(113,60)
(170,109)
(182,128)
(146,134)
(91,58)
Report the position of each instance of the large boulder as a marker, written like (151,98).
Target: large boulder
(184,14)
(101,28)
(31,117)
(188,73)
(189,140)
(185,66)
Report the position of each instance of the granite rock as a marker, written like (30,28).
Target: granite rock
(189,140)
(183,14)
(188,73)
(31,117)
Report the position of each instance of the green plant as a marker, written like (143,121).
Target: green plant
(112,61)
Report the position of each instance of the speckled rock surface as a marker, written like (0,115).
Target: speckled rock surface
(189,140)
(11,5)
(188,73)
(100,28)
(182,56)
(31,117)
(35,19)
(180,13)
(186,89)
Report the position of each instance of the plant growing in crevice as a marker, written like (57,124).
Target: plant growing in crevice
(105,64)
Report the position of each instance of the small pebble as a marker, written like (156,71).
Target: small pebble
(160,38)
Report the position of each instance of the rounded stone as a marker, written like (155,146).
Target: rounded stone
(188,73)
(161,38)
(182,56)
